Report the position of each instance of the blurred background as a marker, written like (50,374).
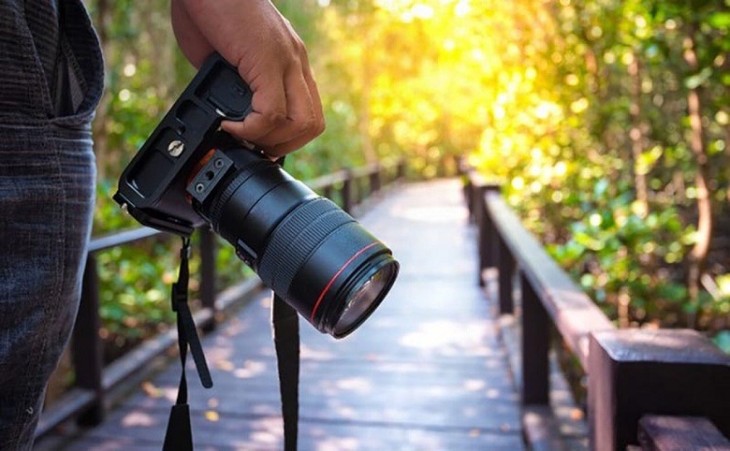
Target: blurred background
(606,123)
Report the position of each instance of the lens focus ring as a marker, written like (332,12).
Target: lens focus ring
(292,242)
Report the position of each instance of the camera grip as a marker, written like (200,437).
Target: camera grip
(152,186)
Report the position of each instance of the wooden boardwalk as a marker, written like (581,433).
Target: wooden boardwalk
(428,371)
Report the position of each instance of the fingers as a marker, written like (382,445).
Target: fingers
(286,114)
(269,112)
(313,128)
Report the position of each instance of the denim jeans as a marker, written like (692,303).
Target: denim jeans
(47,185)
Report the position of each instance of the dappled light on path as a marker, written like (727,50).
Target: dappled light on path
(427,371)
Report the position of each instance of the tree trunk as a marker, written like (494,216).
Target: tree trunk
(636,134)
(698,255)
(364,124)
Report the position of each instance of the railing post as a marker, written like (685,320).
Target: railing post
(506,268)
(633,372)
(327,192)
(535,346)
(375,179)
(358,187)
(468,193)
(484,227)
(207,274)
(487,233)
(401,171)
(87,347)
(347,192)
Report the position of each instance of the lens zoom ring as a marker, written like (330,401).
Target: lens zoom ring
(295,239)
(230,188)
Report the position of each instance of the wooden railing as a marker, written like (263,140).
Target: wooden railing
(632,373)
(87,399)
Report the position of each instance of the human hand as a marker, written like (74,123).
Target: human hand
(269,55)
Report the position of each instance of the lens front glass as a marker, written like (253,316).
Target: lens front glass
(365,298)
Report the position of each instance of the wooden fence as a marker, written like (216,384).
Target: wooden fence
(660,389)
(87,399)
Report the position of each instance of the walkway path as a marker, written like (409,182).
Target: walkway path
(428,371)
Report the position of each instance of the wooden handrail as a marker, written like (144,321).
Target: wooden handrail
(631,372)
(574,314)
(122,238)
(329,180)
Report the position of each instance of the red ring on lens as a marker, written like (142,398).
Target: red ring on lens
(332,280)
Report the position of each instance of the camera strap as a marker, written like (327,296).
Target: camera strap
(286,341)
(285,322)
(179,436)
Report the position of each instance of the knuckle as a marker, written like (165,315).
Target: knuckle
(274,118)
(306,126)
(312,127)
(320,127)
(297,44)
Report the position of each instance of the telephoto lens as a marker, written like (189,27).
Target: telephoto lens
(303,246)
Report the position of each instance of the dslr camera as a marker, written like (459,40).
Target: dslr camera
(190,174)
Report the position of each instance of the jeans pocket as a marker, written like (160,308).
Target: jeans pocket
(80,78)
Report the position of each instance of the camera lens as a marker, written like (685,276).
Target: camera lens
(303,246)
(365,298)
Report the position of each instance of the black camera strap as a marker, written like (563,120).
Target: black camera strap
(179,436)
(286,341)
(285,321)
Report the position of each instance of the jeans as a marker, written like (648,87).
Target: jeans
(47,185)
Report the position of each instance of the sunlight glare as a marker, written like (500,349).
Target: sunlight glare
(431,214)
(251,368)
(356,384)
(462,8)
(135,419)
(338,444)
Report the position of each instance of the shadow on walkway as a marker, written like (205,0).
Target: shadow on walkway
(427,371)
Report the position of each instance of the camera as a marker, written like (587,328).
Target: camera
(190,174)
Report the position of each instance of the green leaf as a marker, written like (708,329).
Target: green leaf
(720,20)
(698,79)
(722,340)
(648,159)
(601,187)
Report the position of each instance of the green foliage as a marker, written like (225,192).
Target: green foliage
(136,285)
(580,109)
(722,340)
(600,154)
(614,252)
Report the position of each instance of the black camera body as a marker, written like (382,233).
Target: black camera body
(188,174)
(154,186)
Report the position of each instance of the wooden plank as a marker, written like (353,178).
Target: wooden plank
(665,433)
(542,429)
(573,312)
(365,374)
(263,432)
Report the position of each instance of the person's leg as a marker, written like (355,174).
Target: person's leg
(47,189)
(46,200)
